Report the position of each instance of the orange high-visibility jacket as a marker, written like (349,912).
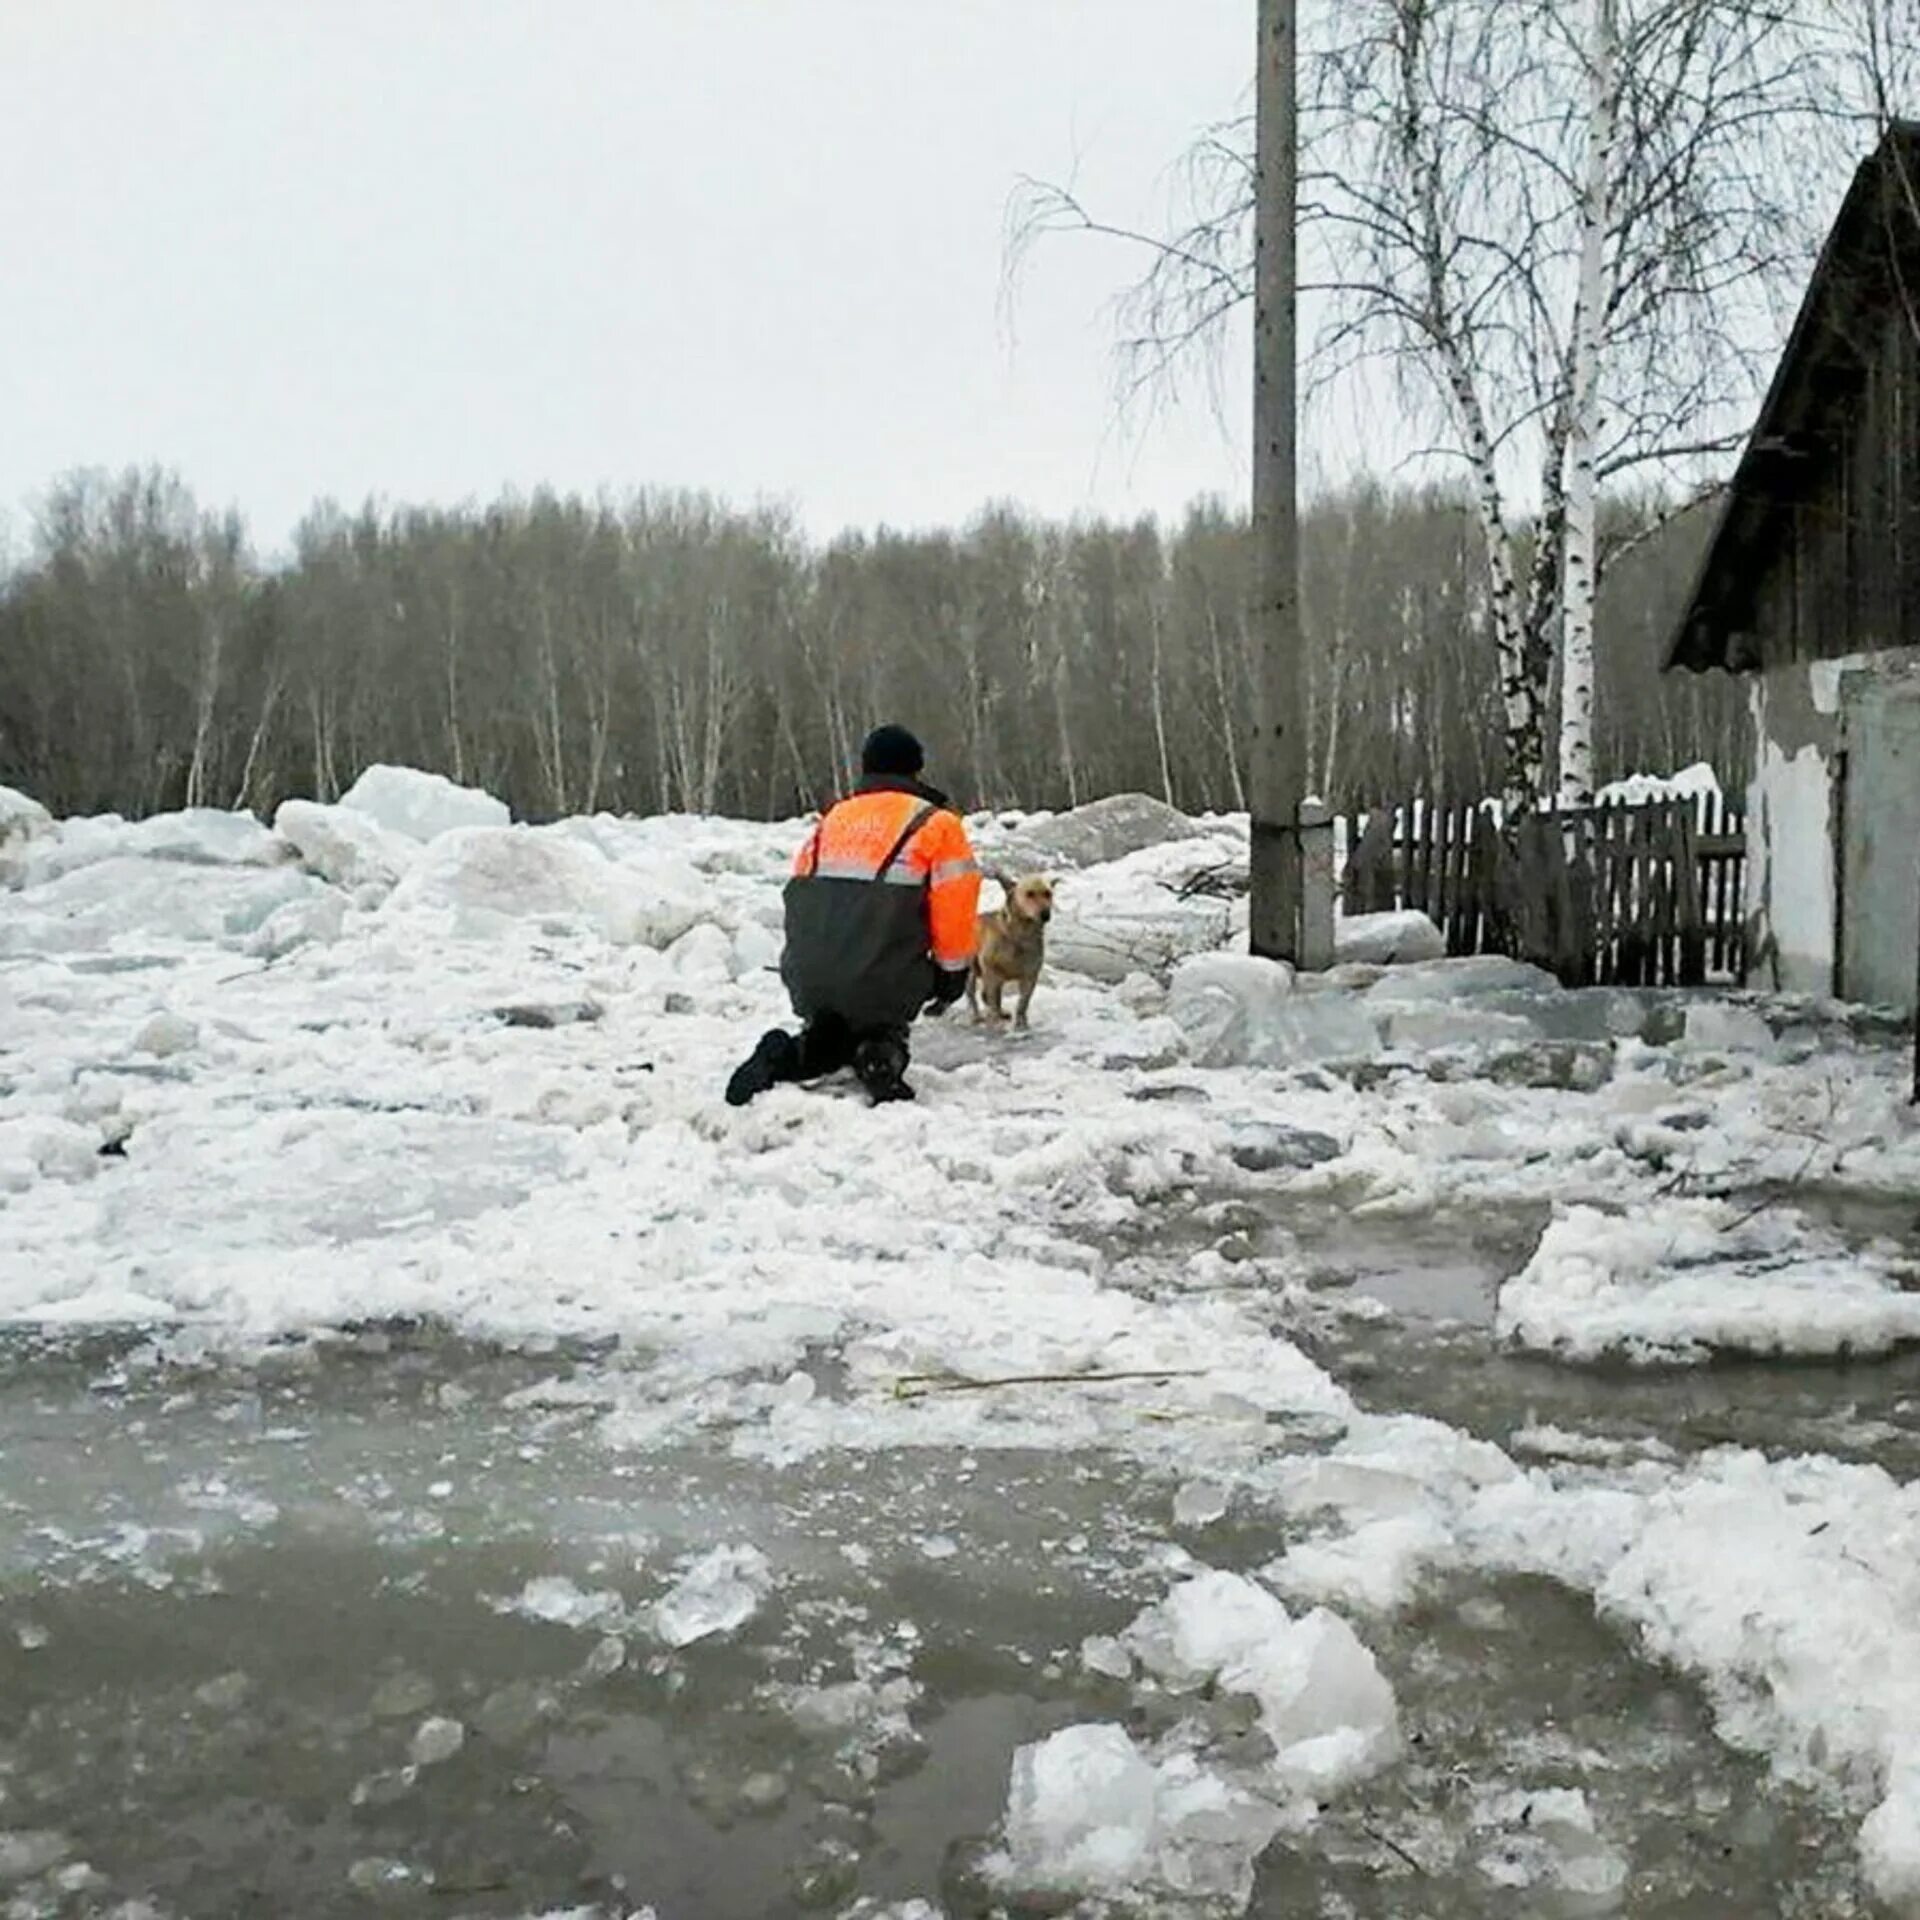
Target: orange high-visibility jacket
(884,891)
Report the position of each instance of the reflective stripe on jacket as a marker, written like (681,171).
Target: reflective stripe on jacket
(884,891)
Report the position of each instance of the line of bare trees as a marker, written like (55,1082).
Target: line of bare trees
(668,653)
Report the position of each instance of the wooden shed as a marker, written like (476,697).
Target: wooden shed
(1811,587)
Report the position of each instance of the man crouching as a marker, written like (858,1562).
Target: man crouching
(881,922)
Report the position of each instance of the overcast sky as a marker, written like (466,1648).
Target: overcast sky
(433,248)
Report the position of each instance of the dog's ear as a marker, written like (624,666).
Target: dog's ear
(1001,881)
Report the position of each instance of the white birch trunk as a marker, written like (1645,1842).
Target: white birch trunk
(199,771)
(1224,699)
(1520,698)
(1579,573)
(455,750)
(244,786)
(1066,732)
(1160,707)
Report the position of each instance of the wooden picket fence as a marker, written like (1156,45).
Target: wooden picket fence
(1647,894)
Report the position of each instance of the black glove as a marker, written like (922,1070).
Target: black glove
(949,983)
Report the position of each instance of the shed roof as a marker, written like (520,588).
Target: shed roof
(1874,246)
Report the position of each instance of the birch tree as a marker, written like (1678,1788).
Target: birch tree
(1567,228)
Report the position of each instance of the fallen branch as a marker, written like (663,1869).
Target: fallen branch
(917,1386)
(1224,880)
(1818,1138)
(249,973)
(1374,1834)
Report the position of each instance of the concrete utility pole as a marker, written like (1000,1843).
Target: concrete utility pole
(1277,762)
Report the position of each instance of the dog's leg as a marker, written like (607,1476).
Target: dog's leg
(995,985)
(973,992)
(1026,995)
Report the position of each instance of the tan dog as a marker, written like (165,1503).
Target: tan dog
(1012,947)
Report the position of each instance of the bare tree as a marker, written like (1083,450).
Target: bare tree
(668,652)
(1559,225)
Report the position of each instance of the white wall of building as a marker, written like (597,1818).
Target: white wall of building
(1790,826)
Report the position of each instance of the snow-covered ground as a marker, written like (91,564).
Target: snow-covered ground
(394,1059)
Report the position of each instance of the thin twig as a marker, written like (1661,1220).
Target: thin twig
(1215,881)
(246,973)
(1781,1190)
(1374,1834)
(916,1386)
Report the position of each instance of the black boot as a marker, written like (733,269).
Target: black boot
(880,1065)
(775,1057)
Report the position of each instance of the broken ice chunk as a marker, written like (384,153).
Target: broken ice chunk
(554,1598)
(1080,1811)
(436,1740)
(718,1592)
(1199,1503)
(1102,1653)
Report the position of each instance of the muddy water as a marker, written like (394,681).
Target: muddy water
(1433,1351)
(232,1598)
(1435,1354)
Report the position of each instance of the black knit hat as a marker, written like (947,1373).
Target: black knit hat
(891,750)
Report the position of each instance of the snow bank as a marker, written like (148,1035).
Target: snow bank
(21,816)
(195,836)
(22,820)
(1139,915)
(125,901)
(1238,1010)
(1094,835)
(482,876)
(421,806)
(1639,789)
(344,847)
(1383,939)
(1789,1588)
(1679,1280)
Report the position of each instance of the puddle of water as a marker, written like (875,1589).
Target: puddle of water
(1436,1356)
(1866,1410)
(266,1579)
(1434,1352)
(1514,1687)
(1452,1276)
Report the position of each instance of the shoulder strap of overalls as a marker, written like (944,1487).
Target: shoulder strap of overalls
(912,827)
